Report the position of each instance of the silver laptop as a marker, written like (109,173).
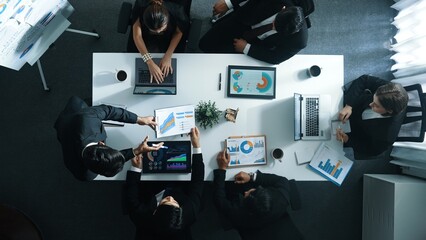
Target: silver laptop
(312,117)
(144,85)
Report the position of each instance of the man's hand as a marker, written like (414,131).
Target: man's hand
(195,137)
(143,147)
(242,177)
(220,8)
(155,71)
(239,44)
(137,161)
(345,113)
(223,159)
(149,120)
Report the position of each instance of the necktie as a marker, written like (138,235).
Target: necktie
(252,34)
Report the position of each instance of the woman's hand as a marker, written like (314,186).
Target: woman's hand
(341,136)
(166,65)
(345,113)
(155,71)
(220,8)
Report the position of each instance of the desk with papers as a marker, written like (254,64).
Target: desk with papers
(198,79)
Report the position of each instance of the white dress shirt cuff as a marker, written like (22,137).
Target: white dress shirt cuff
(246,48)
(196,150)
(229,4)
(135,169)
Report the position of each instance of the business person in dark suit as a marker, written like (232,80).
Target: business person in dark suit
(256,200)
(165,210)
(82,136)
(376,110)
(268,30)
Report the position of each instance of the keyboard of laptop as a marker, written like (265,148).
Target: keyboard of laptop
(145,77)
(312,117)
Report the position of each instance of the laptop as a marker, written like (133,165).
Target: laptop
(312,117)
(143,84)
(174,157)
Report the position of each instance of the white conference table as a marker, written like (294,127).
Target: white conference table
(197,76)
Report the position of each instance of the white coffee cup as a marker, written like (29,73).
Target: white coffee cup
(277,154)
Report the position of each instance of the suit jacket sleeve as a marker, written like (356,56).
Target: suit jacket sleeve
(355,96)
(138,211)
(195,189)
(278,48)
(106,112)
(197,179)
(230,209)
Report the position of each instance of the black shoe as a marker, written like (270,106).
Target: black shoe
(295,202)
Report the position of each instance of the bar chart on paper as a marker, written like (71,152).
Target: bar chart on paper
(333,170)
(331,164)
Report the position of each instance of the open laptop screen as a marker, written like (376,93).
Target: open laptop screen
(297,117)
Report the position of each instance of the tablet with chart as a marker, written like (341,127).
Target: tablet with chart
(246,150)
(174,121)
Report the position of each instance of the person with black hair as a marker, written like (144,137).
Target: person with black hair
(82,136)
(376,109)
(268,30)
(158,26)
(165,210)
(254,200)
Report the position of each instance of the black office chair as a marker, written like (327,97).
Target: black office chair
(127,9)
(414,126)
(15,225)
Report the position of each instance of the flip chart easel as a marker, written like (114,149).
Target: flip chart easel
(29,27)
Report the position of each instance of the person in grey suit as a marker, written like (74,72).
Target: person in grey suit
(268,30)
(82,136)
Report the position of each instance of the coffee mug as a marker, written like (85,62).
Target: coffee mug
(277,154)
(314,71)
(121,75)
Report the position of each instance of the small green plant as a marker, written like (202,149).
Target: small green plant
(207,114)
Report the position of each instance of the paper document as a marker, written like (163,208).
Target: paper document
(246,150)
(174,121)
(331,164)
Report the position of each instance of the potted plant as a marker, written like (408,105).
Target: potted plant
(207,114)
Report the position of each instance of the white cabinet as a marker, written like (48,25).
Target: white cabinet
(394,207)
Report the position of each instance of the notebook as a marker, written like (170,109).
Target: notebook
(312,117)
(143,84)
(173,157)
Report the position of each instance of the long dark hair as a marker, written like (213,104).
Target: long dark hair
(155,15)
(392,97)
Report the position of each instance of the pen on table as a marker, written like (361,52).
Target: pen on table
(220,81)
(156,145)
(295,156)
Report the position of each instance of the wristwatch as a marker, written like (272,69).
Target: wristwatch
(251,174)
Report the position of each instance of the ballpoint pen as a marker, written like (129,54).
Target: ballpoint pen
(156,145)
(220,81)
